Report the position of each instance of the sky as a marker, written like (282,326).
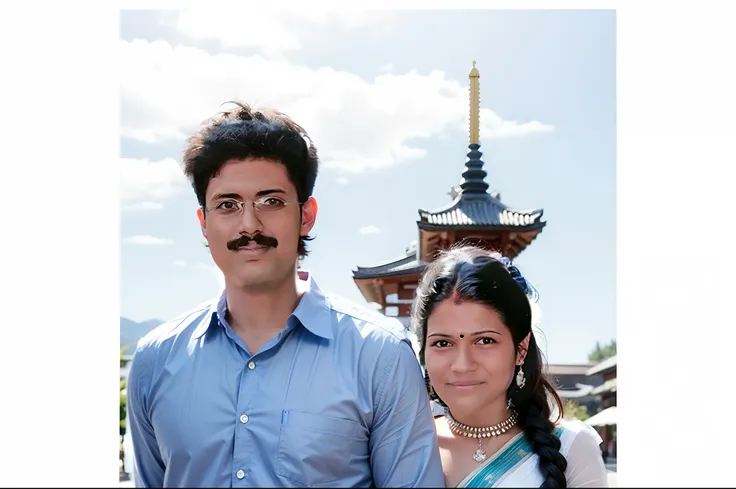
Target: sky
(384,97)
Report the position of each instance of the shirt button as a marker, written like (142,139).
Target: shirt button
(244,418)
(240,474)
(252,365)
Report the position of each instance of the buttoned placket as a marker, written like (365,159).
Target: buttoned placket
(243,442)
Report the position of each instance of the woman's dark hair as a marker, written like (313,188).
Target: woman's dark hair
(243,133)
(484,277)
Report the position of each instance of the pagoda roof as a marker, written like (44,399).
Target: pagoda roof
(480,211)
(475,208)
(472,209)
(403,266)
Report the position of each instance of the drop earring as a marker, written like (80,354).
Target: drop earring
(520,380)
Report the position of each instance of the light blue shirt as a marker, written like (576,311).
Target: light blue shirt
(337,399)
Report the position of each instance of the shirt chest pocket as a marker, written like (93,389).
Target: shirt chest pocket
(315,449)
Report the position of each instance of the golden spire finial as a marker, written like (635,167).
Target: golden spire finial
(474,77)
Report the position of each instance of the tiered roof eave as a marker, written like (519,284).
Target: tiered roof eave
(480,211)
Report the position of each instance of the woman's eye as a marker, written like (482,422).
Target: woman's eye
(486,341)
(440,344)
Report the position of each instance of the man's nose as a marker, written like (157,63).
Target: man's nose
(250,223)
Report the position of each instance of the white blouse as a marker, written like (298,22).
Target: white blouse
(580,446)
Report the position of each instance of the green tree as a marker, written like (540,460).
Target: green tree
(601,353)
(573,410)
(123,402)
(123,384)
(122,407)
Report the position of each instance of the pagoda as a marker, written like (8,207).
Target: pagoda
(474,216)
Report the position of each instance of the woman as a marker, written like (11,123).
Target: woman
(473,319)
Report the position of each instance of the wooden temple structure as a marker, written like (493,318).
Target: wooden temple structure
(474,216)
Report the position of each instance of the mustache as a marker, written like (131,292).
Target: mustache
(244,240)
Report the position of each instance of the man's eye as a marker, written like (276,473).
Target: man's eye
(272,202)
(228,205)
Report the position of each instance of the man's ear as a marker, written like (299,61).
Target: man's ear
(202,222)
(309,216)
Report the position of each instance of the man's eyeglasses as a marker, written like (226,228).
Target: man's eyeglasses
(235,208)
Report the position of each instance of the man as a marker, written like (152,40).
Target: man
(275,383)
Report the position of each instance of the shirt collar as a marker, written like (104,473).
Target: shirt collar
(211,318)
(313,311)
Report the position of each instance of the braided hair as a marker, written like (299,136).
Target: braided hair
(487,278)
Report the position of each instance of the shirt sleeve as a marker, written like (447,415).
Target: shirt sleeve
(149,467)
(585,467)
(403,442)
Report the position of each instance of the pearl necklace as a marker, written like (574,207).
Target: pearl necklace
(472,432)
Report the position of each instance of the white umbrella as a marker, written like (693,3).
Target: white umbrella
(605,417)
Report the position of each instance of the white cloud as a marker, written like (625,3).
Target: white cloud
(341,180)
(272,30)
(369,230)
(180,263)
(144,206)
(356,124)
(144,183)
(386,68)
(493,126)
(147,240)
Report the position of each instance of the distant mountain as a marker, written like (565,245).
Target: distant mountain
(131,332)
